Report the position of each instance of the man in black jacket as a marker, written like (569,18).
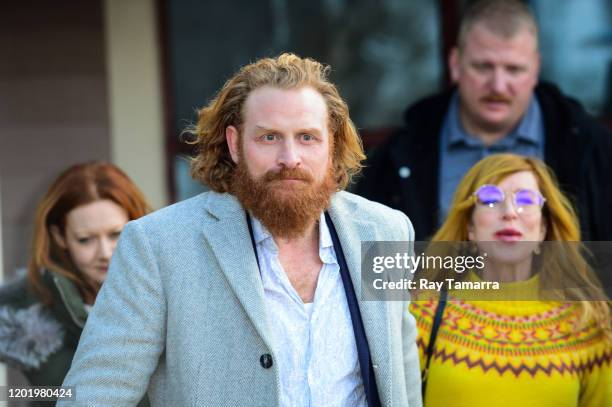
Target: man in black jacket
(496,106)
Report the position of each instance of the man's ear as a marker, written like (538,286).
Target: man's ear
(233,138)
(57,236)
(453,64)
(538,66)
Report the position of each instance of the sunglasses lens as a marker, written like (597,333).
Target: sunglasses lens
(528,200)
(526,197)
(490,195)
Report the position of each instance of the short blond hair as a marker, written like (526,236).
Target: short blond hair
(213,165)
(502,17)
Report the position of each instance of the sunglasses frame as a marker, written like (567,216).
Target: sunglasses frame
(518,208)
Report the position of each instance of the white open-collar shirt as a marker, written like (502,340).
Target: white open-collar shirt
(314,344)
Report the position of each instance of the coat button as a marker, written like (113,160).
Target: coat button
(266,361)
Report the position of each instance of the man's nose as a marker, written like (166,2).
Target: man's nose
(289,156)
(499,81)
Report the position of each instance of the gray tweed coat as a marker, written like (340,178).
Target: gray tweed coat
(182,311)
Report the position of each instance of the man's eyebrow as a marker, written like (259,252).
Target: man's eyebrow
(304,130)
(263,128)
(310,130)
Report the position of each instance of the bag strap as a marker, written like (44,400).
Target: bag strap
(432,338)
(361,341)
(250,225)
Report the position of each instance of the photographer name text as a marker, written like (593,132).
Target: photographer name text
(424,284)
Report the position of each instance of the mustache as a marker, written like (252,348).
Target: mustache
(288,173)
(497,98)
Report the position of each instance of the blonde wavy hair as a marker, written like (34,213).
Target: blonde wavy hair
(213,165)
(561,225)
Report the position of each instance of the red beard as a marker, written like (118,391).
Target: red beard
(286,209)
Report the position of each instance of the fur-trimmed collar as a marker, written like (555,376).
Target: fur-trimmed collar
(28,336)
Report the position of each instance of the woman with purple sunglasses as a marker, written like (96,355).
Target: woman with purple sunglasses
(537,340)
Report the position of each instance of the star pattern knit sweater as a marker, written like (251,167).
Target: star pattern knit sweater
(513,353)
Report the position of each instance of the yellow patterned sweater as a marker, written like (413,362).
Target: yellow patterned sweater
(513,353)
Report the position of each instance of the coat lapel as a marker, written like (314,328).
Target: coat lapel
(352,230)
(228,236)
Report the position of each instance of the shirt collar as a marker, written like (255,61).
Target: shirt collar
(528,126)
(260,233)
(526,130)
(457,134)
(326,246)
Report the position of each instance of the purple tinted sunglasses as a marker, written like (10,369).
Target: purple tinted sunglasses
(524,200)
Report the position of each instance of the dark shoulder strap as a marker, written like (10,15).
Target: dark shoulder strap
(363,349)
(432,338)
(250,225)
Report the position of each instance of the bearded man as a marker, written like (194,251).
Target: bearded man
(249,295)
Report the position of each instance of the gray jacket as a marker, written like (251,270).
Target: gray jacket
(182,311)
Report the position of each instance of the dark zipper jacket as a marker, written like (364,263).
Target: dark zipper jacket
(38,340)
(41,340)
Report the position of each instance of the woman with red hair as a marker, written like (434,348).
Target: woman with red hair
(76,228)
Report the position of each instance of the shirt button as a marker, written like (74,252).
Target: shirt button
(404,172)
(266,361)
